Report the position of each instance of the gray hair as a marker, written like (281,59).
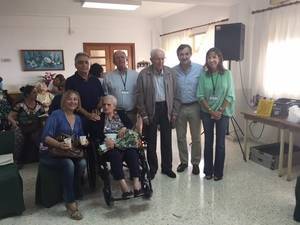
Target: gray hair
(154,52)
(79,54)
(111,98)
(183,46)
(118,52)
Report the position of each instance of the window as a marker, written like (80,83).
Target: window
(281,77)
(199,42)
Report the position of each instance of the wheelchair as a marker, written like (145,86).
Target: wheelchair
(104,173)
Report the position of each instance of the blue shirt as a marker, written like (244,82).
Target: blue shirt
(123,87)
(90,90)
(57,124)
(159,85)
(187,82)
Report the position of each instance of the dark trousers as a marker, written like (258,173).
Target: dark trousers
(214,168)
(297,207)
(116,158)
(72,171)
(150,133)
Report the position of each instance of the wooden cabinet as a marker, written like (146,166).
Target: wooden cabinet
(102,53)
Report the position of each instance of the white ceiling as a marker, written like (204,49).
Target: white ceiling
(149,8)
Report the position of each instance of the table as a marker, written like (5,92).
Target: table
(283,125)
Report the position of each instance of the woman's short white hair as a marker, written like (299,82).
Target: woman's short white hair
(111,98)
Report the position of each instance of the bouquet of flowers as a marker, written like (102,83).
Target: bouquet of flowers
(130,140)
(48,77)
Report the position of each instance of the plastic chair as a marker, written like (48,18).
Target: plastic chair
(48,189)
(11,183)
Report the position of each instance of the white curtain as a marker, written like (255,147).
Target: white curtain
(275,57)
(170,44)
(200,44)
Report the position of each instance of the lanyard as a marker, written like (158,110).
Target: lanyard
(214,84)
(124,80)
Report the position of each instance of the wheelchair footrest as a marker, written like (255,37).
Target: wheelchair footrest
(132,197)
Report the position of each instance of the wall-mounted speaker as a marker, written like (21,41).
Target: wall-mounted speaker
(230,39)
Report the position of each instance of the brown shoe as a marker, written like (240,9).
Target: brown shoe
(73,212)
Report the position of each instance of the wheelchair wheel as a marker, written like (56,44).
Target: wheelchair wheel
(147,191)
(107,197)
(146,185)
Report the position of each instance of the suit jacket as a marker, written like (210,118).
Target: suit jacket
(146,92)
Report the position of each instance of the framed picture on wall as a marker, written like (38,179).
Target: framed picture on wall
(42,60)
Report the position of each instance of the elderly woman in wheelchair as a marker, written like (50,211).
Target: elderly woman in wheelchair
(116,142)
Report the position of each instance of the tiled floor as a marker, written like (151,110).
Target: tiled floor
(249,194)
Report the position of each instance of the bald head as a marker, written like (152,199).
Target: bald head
(157,59)
(120,59)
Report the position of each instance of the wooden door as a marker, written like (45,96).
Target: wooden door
(102,53)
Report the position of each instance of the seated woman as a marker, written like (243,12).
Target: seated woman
(117,122)
(64,121)
(25,118)
(55,104)
(55,87)
(43,95)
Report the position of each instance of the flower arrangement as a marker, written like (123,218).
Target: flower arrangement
(48,77)
(131,139)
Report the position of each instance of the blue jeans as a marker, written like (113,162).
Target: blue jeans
(214,168)
(71,169)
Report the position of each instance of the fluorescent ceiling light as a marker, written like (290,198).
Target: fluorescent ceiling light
(112,4)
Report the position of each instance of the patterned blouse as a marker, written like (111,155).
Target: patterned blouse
(112,125)
(4,105)
(27,115)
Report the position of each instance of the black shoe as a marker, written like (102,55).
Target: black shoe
(217,178)
(170,173)
(138,193)
(195,170)
(181,167)
(208,177)
(20,166)
(127,195)
(152,175)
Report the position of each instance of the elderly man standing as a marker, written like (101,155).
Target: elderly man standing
(187,76)
(156,103)
(121,83)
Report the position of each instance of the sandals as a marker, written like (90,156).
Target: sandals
(74,214)
(127,195)
(138,193)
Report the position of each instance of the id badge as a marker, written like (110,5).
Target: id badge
(213,98)
(125,92)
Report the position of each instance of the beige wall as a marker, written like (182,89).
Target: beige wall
(67,33)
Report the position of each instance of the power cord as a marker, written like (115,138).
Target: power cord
(243,88)
(251,132)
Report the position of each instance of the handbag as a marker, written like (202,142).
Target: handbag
(76,150)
